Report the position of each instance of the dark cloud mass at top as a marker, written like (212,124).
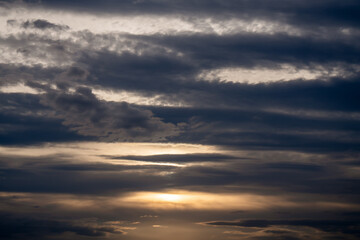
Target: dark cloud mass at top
(206,119)
(301,12)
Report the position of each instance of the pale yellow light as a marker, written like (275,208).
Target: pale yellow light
(168,197)
(171,200)
(181,199)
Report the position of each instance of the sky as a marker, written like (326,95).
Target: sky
(173,120)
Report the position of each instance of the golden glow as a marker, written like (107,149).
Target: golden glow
(200,200)
(159,226)
(168,197)
(170,200)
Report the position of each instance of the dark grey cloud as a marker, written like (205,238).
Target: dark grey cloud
(175,78)
(82,179)
(302,142)
(294,166)
(255,119)
(21,126)
(15,227)
(89,116)
(75,72)
(85,114)
(257,174)
(255,128)
(348,227)
(250,129)
(255,49)
(40,24)
(64,174)
(24,121)
(36,131)
(265,174)
(312,95)
(107,167)
(12,74)
(298,12)
(206,52)
(177,75)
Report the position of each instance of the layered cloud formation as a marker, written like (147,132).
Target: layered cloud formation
(223,119)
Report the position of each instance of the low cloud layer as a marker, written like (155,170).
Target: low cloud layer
(20,228)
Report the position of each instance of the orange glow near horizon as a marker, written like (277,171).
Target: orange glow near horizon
(167,201)
(183,200)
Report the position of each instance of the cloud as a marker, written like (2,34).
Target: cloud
(348,227)
(254,129)
(260,49)
(177,158)
(19,126)
(62,115)
(328,13)
(74,174)
(12,74)
(125,62)
(253,172)
(87,115)
(12,227)
(279,152)
(41,24)
(63,112)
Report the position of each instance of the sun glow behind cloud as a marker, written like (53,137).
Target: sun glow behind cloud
(179,199)
(169,201)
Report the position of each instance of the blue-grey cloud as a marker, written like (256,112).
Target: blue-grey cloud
(41,24)
(349,227)
(15,227)
(298,12)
